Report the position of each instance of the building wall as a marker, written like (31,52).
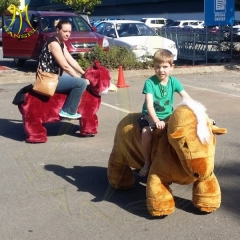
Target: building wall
(137,9)
(141,7)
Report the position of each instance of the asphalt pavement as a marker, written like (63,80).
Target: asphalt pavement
(59,189)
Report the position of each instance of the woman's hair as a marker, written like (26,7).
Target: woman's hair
(163,55)
(58,23)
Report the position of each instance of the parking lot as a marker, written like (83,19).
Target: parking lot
(59,189)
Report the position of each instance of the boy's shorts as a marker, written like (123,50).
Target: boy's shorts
(145,121)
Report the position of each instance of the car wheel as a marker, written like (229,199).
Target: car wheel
(19,62)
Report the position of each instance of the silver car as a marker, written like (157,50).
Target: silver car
(136,36)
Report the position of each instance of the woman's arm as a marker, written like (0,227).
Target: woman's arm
(56,50)
(72,62)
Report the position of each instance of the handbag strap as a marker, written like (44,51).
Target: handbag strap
(39,67)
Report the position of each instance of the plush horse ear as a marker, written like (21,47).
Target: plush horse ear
(178,134)
(218,131)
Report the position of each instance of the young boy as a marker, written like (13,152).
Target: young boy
(159,99)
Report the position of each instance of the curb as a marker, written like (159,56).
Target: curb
(14,76)
(178,70)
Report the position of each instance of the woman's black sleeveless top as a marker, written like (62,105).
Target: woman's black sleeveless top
(47,61)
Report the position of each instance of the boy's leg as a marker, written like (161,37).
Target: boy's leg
(146,149)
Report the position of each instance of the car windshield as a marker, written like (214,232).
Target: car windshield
(46,23)
(78,23)
(195,23)
(176,23)
(134,29)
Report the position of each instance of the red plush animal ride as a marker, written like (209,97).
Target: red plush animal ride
(37,109)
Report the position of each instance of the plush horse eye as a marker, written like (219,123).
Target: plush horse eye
(185,145)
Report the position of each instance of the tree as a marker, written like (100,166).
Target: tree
(80,5)
(4,4)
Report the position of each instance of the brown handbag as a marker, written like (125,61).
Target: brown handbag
(46,83)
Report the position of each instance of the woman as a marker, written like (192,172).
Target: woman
(55,58)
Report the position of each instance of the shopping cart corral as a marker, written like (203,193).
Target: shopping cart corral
(199,46)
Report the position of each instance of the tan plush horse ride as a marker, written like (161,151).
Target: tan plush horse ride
(182,154)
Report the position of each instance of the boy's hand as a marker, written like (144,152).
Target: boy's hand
(160,124)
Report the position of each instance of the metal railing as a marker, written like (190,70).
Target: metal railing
(200,46)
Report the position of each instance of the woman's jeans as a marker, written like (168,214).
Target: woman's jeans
(75,87)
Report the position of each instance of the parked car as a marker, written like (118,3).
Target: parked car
(27,43)
(155,23)
(182,23)
(0,35)
(136,36)
(195,25)
(236,29)
(217,32)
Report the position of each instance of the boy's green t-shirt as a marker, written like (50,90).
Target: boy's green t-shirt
(163,96)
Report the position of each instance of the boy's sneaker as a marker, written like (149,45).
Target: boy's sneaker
(67,115)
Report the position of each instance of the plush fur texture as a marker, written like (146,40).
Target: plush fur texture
(38,110)
(181,154)
(91,99)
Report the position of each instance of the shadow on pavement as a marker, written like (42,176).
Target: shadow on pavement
(29,66)
(230,173)
(12,129)
(94,180)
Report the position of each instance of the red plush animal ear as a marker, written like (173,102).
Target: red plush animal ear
(97,63)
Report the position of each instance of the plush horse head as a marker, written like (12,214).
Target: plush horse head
(191,133)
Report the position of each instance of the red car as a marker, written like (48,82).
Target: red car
(24,41)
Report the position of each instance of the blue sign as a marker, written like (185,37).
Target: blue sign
(219,12)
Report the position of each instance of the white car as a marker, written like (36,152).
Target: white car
(236,28)
(154,23)
(183,23)
(195,25)
(136,36)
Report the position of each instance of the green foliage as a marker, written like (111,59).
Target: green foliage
(115,57)
(80,5)
(4,4)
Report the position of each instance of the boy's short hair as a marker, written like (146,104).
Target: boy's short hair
(163,55)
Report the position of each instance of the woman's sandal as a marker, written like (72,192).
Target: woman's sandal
(143,173)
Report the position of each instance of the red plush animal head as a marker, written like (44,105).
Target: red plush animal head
(99,78)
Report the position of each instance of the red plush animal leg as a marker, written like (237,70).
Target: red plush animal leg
(88,107)
(35,131)
(32,114)
(207,194)
(160,201)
